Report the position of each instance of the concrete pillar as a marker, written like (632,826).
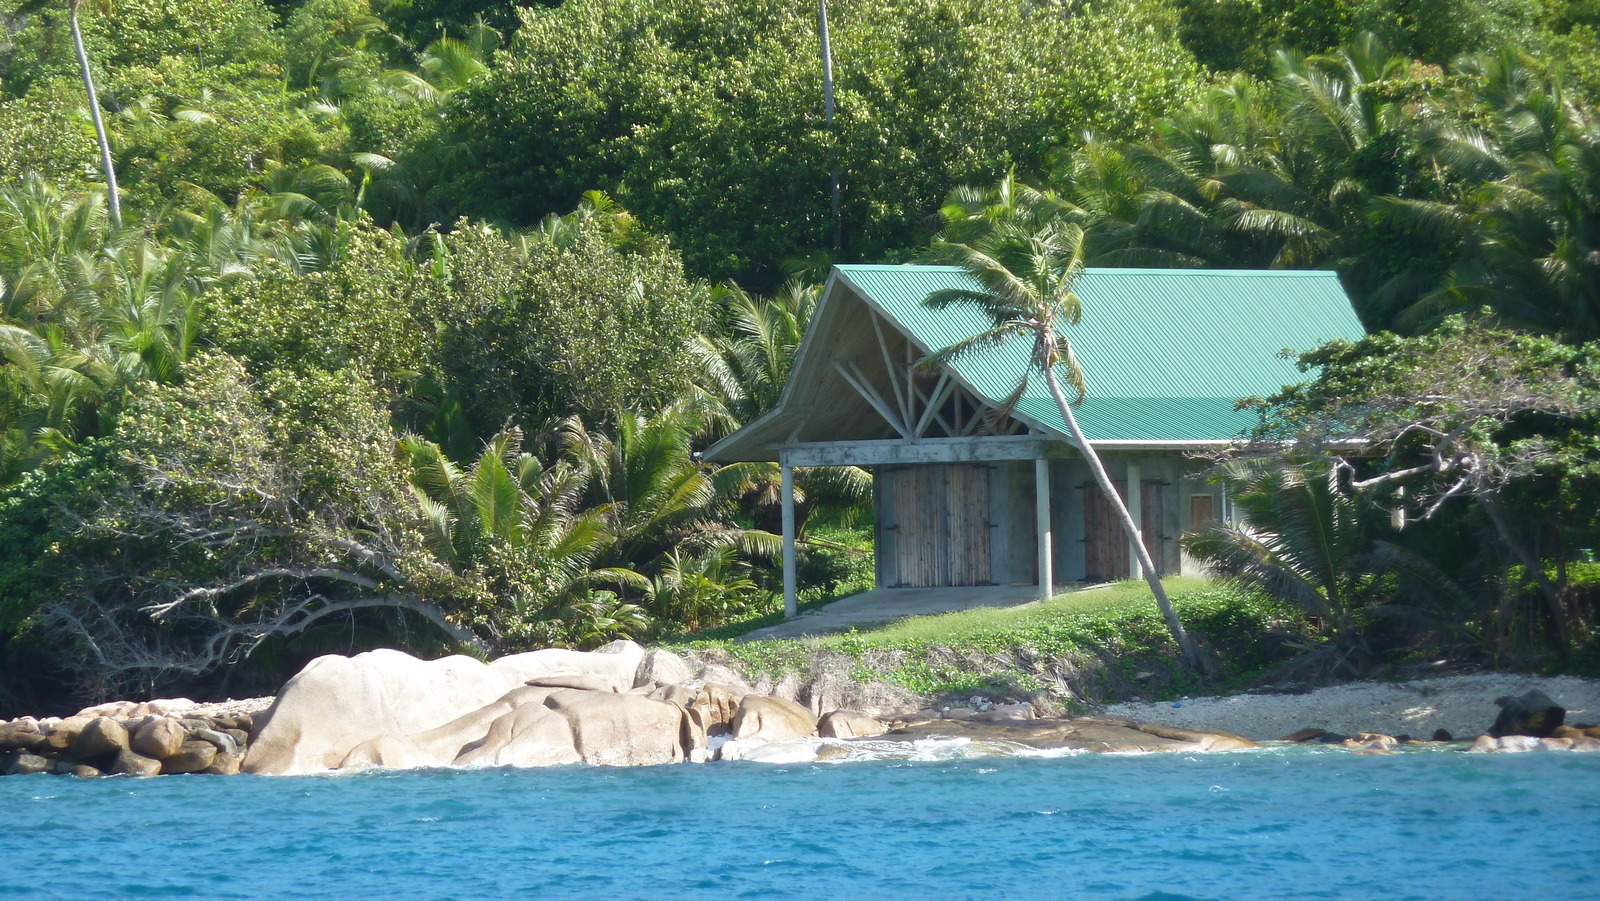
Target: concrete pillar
(791,607)
(1041,508)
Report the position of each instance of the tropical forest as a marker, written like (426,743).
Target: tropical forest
(331,325)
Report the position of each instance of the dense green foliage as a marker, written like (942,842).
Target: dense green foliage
(374,362)
(706,119)
(1466,523)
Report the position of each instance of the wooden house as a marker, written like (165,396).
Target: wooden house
(966,493)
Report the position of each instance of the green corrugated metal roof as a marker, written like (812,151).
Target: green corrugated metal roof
(1165,352)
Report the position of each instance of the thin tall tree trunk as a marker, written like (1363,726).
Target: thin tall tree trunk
(1191,651)
(113,204)
(1532,569)
(827,109)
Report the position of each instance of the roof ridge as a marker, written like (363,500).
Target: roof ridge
(1106,270)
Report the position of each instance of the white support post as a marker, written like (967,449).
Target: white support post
(1041,507)
(791,607)
(1136,510)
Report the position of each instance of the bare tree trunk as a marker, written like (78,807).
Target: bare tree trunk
(827,109)
(1191,651)
(113,203)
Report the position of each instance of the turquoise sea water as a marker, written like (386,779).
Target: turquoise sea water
(1277,823)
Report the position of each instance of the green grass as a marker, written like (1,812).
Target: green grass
(1097,643)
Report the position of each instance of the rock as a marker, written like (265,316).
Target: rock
(530,735)
(1442,735)
(1080,733)
(443,745)
(660,667)
(64,732)
(1530,714)
(388,751)
(337,703)
(101,737)
(240,737)
(579,681)
(172,706)
(158,737)
(224,742)
(692,735)
(84,771)
(1586,744)
(697,716)
(673,694)
(726,677)
(193,757)
(849,724)
(129,763)
(1001,713)
(832,752)
(763,719)
(21,735)
(1556,744)
(1485,744)
(621,730)
(960,713)
(224,765)
(719,703)
(113,708)
(21,763)
(1304,735)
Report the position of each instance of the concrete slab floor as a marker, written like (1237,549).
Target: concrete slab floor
(884,605)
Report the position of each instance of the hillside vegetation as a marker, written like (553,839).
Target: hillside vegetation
(406,318)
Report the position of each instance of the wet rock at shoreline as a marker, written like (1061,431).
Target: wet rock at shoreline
(1532,713)
(767,720)
(849,724)
(22,763)
(130,763)
(1099,734)
(193,757)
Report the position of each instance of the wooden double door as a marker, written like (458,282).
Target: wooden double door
(940,518)
(1106,550)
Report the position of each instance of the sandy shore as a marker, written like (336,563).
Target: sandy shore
(1462,705)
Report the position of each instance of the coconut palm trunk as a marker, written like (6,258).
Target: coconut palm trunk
(1191,651)
(112,203)
(1025,270)
(827,108)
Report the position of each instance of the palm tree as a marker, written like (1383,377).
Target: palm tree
(1026,277)
(827,111)
(521,527)
(739,374)
(112,203)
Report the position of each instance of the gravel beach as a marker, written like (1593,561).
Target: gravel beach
(1462,705)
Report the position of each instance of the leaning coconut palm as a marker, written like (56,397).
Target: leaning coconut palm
(1025,279)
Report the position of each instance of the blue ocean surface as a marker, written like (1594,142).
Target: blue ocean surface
(1271,823)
